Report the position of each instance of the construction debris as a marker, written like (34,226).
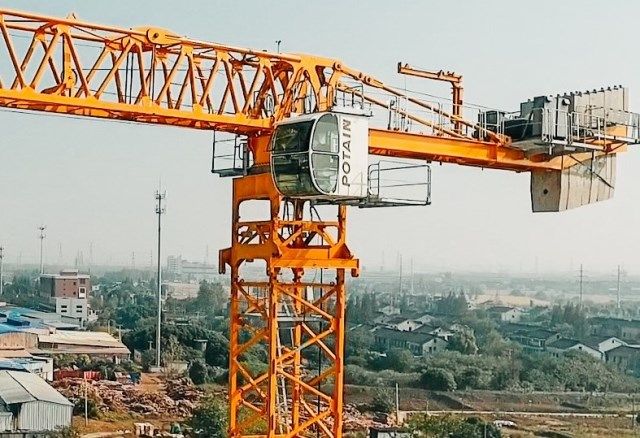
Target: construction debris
(177,399)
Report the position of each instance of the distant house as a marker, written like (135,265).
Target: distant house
(425,318)
(562,346)
(438,331)
(604,343)
(402,323)
(505,314)
(625,358)
(531,338)
(624,329)
(420,344)
(382,319)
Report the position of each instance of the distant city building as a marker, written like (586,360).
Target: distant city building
(73,307)
(69,291)
(68,284)
(184,270)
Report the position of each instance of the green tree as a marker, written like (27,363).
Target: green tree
(399,360)
(473,377)
(198,372)
(217,352)
(463,341)
(359,342)
(438,379)
(172,350)
(209,419)
(453,304)
(382,401)
(211,298)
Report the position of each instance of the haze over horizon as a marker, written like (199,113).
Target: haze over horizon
(92,182)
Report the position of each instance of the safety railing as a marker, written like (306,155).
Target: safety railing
(230,155)
(398,183)
(560,127)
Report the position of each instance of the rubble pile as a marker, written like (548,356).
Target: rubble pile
(178,399)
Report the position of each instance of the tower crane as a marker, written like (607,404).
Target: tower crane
(307,128)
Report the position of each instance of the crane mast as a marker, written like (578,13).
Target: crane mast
(295,302)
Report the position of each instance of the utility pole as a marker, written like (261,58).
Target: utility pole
(159,211)
(397,404)
(618,292)
(581,283)
(90,256)
(412,289)
(1,271)
(41,228)
(400,277)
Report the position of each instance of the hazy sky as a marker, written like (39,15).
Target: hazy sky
(93,181)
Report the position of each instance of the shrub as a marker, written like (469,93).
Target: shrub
(210,419)
(382,401)
(198,372)
(438,379)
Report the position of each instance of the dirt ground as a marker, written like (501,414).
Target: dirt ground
(571,426)
(611,408)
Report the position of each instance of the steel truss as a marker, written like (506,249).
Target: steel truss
(298,320)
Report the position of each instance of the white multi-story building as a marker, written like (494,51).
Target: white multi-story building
(184,270)
(73,307)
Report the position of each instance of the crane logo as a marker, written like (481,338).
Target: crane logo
(346,152)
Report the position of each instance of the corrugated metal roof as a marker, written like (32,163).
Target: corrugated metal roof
(11,391)
(23,387)
(6,364)
(6,328)
(85,338)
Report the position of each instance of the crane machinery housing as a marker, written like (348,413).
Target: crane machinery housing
(306,129)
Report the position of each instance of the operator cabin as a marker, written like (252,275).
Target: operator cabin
(321,156)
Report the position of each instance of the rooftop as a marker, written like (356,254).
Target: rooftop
(82,338)
(631,349)
(564,343)
(24,387)
(11,353)
(397,319)
(595,341)
(413,337)
(500,309)
(36,317)
(616,321)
